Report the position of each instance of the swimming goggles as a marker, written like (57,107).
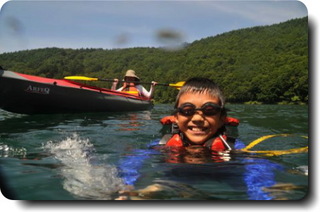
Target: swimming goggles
(208,109)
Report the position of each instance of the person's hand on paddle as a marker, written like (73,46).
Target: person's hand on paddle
(154,83)
(114,84)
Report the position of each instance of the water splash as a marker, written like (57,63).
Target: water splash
(9,151)
(81,177)
(304,169)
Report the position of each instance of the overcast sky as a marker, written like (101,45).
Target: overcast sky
(121,24)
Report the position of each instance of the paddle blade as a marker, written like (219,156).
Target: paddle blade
(81,78)
(177,85)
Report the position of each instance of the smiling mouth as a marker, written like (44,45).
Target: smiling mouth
(198,129)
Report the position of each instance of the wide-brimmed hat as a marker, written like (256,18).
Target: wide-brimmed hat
(131,73)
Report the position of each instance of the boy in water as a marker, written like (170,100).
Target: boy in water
(201,119)
(200,116)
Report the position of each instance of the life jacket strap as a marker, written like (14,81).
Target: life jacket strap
(225,142)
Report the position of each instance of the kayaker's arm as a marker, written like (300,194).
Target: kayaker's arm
(114,84)
(146,93)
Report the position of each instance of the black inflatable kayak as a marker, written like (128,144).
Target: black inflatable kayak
(27,94)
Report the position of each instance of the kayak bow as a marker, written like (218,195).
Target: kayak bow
(28,94)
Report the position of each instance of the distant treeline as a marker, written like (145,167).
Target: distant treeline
(265,64)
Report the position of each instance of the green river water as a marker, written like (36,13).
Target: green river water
(77,157)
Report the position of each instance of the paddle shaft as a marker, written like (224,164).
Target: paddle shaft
(138,82)
(178,84)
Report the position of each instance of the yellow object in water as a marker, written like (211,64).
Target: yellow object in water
(273,152)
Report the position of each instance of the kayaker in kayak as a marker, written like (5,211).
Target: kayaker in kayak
(200,116)
(131,84)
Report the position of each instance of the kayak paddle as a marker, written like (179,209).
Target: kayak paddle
(177,85)
(86,78)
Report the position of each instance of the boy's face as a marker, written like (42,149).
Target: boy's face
(198,128)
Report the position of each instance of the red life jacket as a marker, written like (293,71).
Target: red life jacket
(215,144)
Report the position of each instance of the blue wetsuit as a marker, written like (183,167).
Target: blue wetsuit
(258,172)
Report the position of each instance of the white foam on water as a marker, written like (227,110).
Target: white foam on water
(304,169)
(81,177)
(8,151)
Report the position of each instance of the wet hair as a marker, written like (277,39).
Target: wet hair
(201,85)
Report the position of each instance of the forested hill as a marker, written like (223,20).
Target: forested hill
(266,64)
